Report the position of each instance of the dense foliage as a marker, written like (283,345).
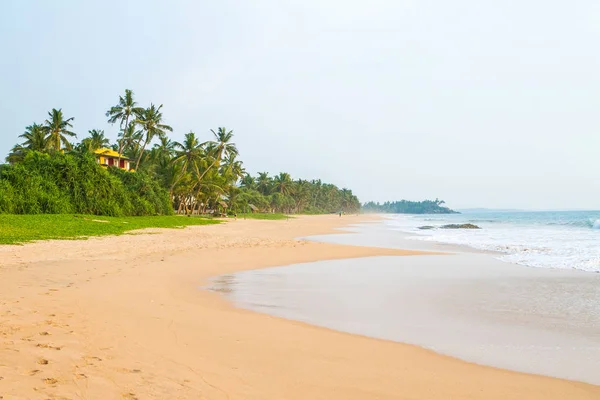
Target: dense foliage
(60,183)
(283,194)
(50,174)
(408,207)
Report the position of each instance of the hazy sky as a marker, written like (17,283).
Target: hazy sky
(481,103)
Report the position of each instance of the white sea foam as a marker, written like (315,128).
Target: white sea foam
(536,241)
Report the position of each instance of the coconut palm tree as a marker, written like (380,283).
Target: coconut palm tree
(125,110)
(17,154)
(57,130)
(222,144)
(95,141)
(301,189)
(130,138)
(35,138)
(283,183)
(248,182)
(219,149)
(163,150)
(263,183)
(232,169)
(150,121)
(161,157)
(189,154)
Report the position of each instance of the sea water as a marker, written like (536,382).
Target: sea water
(478,304)
(548,239)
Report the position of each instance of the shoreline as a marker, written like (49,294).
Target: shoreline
(122,317)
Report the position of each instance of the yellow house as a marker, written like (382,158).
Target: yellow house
(110,158)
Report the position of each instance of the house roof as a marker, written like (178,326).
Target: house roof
(110,153)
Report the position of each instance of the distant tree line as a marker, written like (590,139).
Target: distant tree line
(283,193)
(49,173)
(408,207)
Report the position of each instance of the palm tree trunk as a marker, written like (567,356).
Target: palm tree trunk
(121,141)
(141,152)
(137,164)
(183,171)
(207,169)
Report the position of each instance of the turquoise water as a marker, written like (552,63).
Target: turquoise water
(547,239)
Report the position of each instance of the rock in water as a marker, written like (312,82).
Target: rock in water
(426,227)
(460,226)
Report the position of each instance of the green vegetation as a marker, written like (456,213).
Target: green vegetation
(74,183)
(408,207)
(15,229)
(284,195)
(48,174)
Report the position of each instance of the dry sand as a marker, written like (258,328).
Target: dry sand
(123,318)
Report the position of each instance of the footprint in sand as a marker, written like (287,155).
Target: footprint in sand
(131,371)
(50,381)
(42,361)
(48,346)
(89,359)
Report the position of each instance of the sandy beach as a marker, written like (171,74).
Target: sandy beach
(125,318)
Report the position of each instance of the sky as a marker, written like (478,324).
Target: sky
(480,103)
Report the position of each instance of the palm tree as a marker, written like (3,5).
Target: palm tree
(232,169)
(317,184)
(95,141)
(35,138)
(164,150)
(248,182)
(122,112)
(263,183)
(57,129)
(219,148)
(301,189)
(283,183)
(161,157)
(17,154)
(222,145)
(130,137)
(151,122)
(189,153)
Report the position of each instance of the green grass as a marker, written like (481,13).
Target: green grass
(16,229)
(263,216)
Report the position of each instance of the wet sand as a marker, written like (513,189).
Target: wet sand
(123,318)
(469,306)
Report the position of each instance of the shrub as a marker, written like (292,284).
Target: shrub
(75,183)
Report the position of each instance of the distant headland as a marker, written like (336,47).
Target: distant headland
(408,207)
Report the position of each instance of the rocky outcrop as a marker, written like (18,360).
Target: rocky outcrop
(427,227)
(460,226)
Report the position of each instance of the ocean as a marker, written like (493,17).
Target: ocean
(522,293)
(546,239)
